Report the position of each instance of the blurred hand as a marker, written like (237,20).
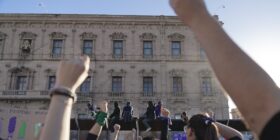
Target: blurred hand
(71,74)
(117,127)
(188,10)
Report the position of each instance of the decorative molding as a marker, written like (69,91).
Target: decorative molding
(27,35)
(88,35)
(20,69)
(175,72)
(118,36)
(151,72)
(2,35)
(176,37)
(205,73)
(121,72)
(58,35)
(48,70)
(147,36)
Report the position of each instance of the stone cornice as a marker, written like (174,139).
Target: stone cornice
(30,19)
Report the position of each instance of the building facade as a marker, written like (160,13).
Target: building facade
(235,114)
(133,58)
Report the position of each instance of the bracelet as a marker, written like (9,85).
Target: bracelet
(101,118)
(64,92)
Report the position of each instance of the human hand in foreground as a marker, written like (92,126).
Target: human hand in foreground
(189,10)
(70,74)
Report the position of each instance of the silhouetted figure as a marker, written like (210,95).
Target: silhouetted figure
(149,115)
(115,116)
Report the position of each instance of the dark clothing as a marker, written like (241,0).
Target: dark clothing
(91,137)
(116,114)
(235,138)
(270,131)
(150,116)
(127,114)
(114,118)
(150,113)
(185,120)
(158,110)
(164,128)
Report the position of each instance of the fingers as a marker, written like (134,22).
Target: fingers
(117,127)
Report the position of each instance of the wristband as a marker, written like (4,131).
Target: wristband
(64,92)
(101,117)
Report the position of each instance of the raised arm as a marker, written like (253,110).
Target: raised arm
(101,117)
(228,132)
(69,75)
(253,91)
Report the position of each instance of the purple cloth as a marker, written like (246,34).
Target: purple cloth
(158,110)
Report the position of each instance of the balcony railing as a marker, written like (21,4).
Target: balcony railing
(100,57)
(24,94)
(148,94)
(178,94)
(44,94)
(116,94)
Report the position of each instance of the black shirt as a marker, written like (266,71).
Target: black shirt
(271,129)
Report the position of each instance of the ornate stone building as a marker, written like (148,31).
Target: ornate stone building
(133,58)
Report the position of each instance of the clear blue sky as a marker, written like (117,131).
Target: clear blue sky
(253,24)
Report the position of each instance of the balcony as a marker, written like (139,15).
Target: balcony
(178,94)
(116,94)
(208,99)
(24,95)
(148,94)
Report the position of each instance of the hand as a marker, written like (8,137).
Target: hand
(70,74)
(103,106)
(188,10)
(117,127)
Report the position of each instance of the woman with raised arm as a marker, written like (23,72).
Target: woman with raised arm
(253,91)
(202,127)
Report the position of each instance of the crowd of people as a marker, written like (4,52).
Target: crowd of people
(253,91)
